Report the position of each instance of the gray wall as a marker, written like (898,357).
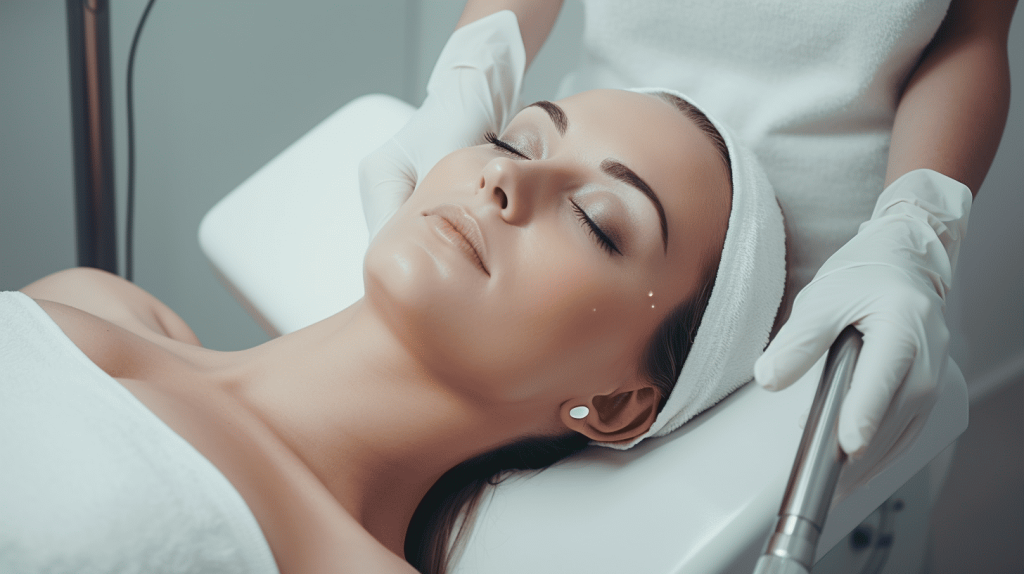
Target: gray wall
(36,178)
(986,308)
(221,87)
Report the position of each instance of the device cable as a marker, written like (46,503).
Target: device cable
(130,202)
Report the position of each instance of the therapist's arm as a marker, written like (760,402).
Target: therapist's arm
(952,113)
(536,18)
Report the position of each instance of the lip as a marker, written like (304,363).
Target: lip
(466,237)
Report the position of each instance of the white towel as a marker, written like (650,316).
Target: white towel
(748,290)
(92,481)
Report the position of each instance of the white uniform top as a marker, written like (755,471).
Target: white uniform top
(92,481)
(810,86)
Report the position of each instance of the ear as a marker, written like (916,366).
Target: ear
(617,417)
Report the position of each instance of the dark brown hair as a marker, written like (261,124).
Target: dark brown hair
(453,500)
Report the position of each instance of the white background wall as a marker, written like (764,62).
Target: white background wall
(221,87)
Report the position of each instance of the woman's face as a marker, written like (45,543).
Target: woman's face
(537,268)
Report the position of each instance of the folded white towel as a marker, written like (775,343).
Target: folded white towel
(748,290)
(92,481)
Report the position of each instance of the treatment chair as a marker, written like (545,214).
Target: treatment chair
(289,242)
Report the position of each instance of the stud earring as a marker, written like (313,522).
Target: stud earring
(579,412)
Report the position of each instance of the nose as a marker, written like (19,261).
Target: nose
(520,187)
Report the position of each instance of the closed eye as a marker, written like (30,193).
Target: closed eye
(504,146)
(602,240)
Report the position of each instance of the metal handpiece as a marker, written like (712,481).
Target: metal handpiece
(792,543)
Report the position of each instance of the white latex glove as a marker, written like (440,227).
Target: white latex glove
(474,88)
(890,281)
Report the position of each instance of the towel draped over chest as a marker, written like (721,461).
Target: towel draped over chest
(92,481)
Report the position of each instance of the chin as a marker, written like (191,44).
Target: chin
(395,277)
(437,322)
(422,306)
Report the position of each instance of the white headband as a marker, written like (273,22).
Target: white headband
(747,294)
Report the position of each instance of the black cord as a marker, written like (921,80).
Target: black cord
(130,215)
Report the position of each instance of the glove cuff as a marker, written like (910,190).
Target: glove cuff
(490,51)
(917,225)
(940,202)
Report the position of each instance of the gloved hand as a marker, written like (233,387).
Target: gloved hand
(890,281)
(474,88)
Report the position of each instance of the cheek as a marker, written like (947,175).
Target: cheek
(420,286)
(569,319)
(567,298)
(577,291)
(405,263)
(454,175)
(436,317)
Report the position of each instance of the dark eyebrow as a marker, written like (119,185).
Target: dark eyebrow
(626,175)
(556,113)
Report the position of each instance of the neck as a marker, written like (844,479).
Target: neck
(374,426)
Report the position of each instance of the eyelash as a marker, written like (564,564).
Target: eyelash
(603,240)
(492,138)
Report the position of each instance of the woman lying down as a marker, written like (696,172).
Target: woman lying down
(606,268)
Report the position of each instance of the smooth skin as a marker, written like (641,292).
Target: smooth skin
(333,434)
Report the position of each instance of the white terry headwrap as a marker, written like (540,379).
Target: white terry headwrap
(747,294)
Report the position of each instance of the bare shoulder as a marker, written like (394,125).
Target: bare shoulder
(369,557)
(110,297)
(324,537)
